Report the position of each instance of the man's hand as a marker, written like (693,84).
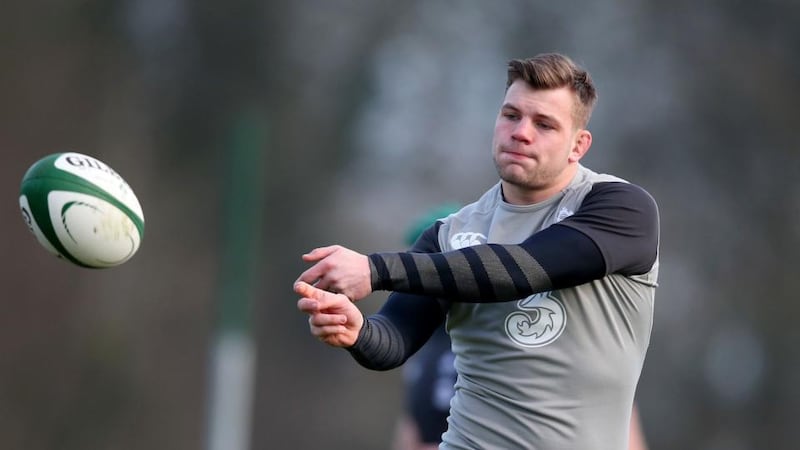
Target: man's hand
(338,269)
(332,318)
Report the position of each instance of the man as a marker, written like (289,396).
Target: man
(550,334)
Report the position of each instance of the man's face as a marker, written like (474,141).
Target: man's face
(536,143)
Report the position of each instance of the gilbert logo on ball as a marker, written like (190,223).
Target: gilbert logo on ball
(80,209)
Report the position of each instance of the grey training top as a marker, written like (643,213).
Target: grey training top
(549,323)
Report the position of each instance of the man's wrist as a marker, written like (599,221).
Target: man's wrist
(378,272)
(363,334)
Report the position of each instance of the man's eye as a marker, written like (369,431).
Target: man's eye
(545,126)
(511,116)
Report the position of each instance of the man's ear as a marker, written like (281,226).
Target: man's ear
(583,140)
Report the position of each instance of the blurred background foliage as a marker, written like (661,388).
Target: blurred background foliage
(370,113)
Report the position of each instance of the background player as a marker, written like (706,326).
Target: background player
(429,376)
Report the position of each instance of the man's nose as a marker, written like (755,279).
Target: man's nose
(524,132)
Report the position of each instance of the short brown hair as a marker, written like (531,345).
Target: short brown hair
(553,71)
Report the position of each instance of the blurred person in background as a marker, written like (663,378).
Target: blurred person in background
(547,283)
(429,376)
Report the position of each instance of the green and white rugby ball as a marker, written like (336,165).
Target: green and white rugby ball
(81,210)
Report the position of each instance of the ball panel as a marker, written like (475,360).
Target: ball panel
(27,215)
(35,192)
(92,230)
(102,176)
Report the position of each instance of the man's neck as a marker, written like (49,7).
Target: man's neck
(521,196)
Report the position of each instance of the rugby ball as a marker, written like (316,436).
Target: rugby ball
(81,210)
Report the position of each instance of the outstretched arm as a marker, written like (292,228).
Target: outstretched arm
(614,231)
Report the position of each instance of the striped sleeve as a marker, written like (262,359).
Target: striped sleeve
(615,230)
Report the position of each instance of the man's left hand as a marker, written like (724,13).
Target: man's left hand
(338,269)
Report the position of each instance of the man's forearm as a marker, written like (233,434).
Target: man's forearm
(380,345)
(482,273)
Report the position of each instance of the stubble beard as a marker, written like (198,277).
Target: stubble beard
(522,178)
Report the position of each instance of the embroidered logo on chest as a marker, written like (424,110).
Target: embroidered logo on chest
(539,320)
(467,239)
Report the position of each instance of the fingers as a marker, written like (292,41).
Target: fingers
(304,289)
(320,253)
(315,273)
(327,323)
(338,269)
(308,305)
(311,275)
(332,318)
(315,299)
(329,327)
(315,292)
(321,322)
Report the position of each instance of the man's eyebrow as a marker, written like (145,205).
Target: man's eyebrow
(538,115)
(546,117)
